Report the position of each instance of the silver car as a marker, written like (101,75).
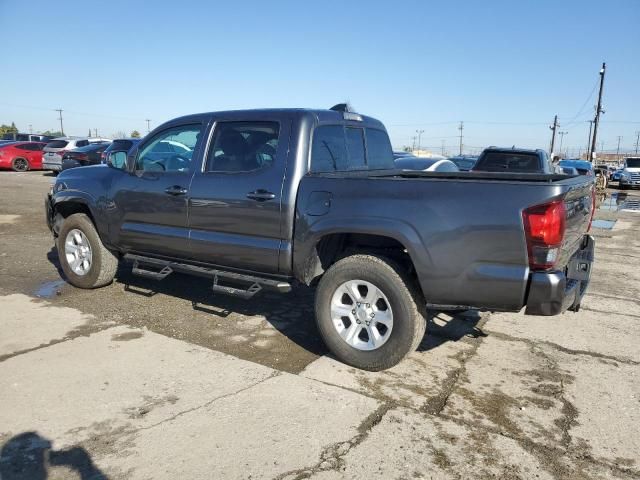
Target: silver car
(56,148)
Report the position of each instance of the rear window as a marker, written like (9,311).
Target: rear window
(82,143)
(338,148)
(57,144)
(508,162)
(121,145)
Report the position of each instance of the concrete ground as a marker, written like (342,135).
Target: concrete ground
(163,380)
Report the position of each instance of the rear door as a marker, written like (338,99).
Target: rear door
(235,197)
(149,204)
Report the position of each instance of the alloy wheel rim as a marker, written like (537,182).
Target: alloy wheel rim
(20,164)
(362,315)
(78,252)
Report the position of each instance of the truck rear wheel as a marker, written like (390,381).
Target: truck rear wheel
(367,312)
(85,261)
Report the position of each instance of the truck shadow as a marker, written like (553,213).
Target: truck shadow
(29,456)
(290,314)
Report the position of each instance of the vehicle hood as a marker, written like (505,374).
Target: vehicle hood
(93,180)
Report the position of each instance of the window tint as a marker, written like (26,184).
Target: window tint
(243,146)
(329,150)
(508,162)
(355,147)
(122,145)
(30,146)
(379,151)
(57,144)
(82,143)
(159,154)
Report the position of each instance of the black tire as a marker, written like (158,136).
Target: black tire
(409,324)
(103,263)
(20,164)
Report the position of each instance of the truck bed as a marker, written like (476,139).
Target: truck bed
(463,231)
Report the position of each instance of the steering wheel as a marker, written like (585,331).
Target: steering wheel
(177,162)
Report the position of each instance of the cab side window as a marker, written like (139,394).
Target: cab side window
(170,150)
(243,146)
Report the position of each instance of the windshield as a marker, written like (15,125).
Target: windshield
(633,162)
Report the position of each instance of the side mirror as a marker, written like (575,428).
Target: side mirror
(117,160)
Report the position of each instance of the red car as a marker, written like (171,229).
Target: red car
(21,156)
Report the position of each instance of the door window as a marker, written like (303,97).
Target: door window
(170,150)
(243,146)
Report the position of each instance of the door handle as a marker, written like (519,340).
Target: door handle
(175,190)
(261,195)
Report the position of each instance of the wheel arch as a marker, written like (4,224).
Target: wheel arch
(325,243)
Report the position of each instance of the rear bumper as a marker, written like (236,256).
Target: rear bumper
(54,167)
(552,293)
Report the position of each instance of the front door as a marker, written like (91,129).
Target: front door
(234,212)
(150,204)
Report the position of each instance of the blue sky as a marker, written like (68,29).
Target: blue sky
(503,67)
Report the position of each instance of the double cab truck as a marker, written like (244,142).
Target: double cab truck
(266,199)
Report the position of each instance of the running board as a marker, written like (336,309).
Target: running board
(142,267)
(140,271)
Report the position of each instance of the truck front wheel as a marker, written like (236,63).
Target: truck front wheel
(367,312)
(85,261)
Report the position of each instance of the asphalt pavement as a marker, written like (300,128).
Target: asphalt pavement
(146,379)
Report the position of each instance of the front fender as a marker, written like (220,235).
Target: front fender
(65,201)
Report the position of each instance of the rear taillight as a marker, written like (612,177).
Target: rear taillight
(544,227)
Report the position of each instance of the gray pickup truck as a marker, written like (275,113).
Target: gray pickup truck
(260,199)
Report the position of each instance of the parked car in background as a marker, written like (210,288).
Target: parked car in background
(56,148)
(601,174)
(119,145)
(630,175)
(569,170)
(426,164)
(400,154)
(615,176)
(464,163)
(21,156)
(517,160)
(583,167)
(84,156)
(27,137)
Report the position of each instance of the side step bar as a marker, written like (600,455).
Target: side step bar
(158,269)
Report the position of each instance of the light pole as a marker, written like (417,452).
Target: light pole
(419,132)
(562,134)
(618,149)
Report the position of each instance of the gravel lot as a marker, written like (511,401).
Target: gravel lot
(165,380)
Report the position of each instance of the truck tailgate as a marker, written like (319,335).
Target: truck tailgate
(579,205)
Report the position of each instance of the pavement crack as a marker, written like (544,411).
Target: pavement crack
(73,335)
(332,456)
(208,403)
(569,351)
(609,313)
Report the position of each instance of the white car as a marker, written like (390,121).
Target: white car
(426,164)
(56,148)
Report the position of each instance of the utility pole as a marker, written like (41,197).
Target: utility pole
(599,110)
(461,127)
(30,128)
(637,141)
(618,149)
(413,146)
(95,132)
(444,155)
(148,128)
(419,132)
(553,129)
(589,141)
(562,134)
(59,110)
